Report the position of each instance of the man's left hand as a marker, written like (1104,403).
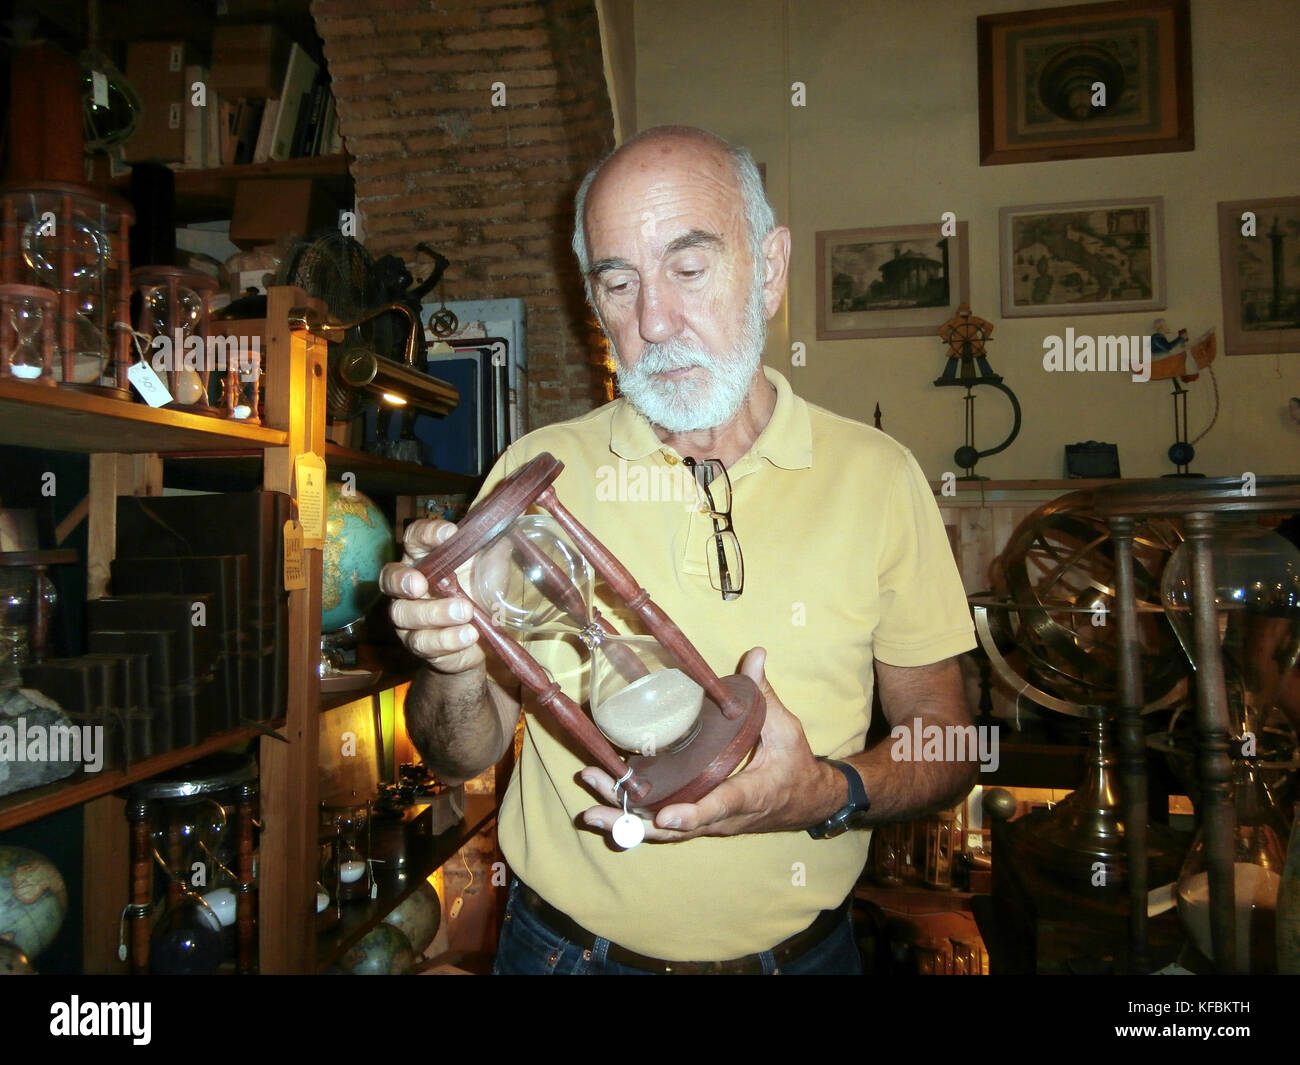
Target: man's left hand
(784,788)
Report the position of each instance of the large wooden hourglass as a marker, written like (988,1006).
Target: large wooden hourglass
(684,729)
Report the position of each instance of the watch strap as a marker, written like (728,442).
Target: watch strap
(850,815)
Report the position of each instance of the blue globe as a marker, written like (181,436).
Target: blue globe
(33,900)
(358,542)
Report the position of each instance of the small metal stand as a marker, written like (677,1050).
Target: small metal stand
(968,366)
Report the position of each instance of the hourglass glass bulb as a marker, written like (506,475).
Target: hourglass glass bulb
(1257,603)
(26,317)
(531,578)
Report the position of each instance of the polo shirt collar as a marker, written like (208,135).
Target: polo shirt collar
(786,440)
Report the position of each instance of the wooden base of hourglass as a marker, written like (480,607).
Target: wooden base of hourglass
(733,710)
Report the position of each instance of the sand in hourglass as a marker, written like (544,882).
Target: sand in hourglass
(652,713)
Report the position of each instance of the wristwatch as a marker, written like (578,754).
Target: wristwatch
(852,815)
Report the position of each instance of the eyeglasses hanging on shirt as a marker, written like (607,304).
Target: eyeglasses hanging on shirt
(726,565)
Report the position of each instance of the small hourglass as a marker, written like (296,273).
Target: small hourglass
(27,315)
(348,872)
(174,312)
(654,696)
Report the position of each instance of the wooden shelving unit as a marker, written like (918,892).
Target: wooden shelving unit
(125,442)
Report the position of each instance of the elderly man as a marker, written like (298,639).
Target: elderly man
(839,572)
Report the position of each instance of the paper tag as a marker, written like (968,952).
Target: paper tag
(252,279)
(174,116)
(295,570)
(99,88)
(175,58)
(148,384)
(309,488)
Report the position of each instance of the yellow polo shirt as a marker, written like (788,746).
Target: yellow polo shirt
(845,559)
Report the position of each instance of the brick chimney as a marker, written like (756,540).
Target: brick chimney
(471,123)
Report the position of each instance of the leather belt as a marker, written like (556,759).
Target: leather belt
(785,951)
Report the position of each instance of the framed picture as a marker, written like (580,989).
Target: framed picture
(1259,254)
(351,749)
(1085,81)
(892,281)
(1100,257)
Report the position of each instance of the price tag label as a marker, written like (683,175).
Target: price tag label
(99,88)
(295,569)
(148,384)
(309,486)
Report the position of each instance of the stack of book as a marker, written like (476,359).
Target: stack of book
(261,99)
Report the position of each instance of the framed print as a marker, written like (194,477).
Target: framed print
(1101,257)
(1085,81)
(891,281)
(1259,256)
(351,749)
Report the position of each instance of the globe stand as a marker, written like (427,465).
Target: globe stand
(1083,840)
(732,710)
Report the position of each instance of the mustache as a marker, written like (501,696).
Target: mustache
(672,355)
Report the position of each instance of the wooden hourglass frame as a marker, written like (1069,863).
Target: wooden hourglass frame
(65,207)
(12,297)
(173,278)
(733,711)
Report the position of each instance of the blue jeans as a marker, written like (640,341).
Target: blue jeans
(530,948)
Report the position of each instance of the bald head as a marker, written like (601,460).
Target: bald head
(702,155)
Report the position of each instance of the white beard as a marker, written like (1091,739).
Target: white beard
(691,405)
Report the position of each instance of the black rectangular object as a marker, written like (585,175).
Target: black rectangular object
(196,651)
(1091,459)
(142,718)
(243,523)
(84,689)
(176,713)
(225,578)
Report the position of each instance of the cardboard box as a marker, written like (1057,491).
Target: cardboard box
(157,70)
(268,208)
(249,61)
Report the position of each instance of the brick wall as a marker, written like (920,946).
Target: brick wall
(489,186)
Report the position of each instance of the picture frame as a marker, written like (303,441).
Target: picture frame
(1261,313)
(1088,257)
(860,296)
(351,749)
(1039,73)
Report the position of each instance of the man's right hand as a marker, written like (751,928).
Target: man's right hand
(438,630)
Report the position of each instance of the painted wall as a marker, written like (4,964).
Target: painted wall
(890,135)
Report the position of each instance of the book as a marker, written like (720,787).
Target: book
(247,127)
(299,77)
(266,130)
(196,118)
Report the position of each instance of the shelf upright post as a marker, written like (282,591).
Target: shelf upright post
(294,382)
(105,829)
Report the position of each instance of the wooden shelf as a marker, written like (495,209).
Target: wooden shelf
(388,678)
(240,469)
(915,899)
(381,476)
(33,803)
(207,195)
(1074,484)
(63,420)
(357,919)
